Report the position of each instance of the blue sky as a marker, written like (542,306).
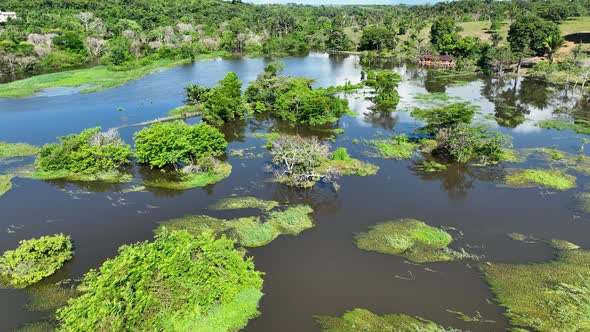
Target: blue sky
(345,2)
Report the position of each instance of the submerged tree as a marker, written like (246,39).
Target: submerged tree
(224,102)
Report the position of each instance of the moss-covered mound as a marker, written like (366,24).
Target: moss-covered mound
(176,283)
(250,231)
(552,296)
(549,178)
(5,184)
(193,180)
(363,320)
(10,150)
(34,260)
(244,203)
(398,147)
(409,238)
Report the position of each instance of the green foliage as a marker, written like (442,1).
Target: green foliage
(444,34)
(412,239)
(398,147)
(377,38)
(34,260)
(178,281)
(293,220)
(553,178)
(340,154)
(385,84)
(49,297)
(528,34)
(119,52)
(61,60)
(581,127)
(69,41)
(173,143)
(551,296)
(464,143)
(443,117)
(244,203)
(90,152)
(196,93)
(5,184)
(209,171)
(363,320)
(432,166)
(12,150)
(224,103)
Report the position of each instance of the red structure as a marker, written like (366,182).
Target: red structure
(445,61)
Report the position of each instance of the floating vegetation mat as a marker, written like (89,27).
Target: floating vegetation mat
(582,202)
(195,180)
(244,203)
(9,150)
(363,320)
(108,177)
(5,184)
(411,239)
(547,178)
(249,231)
(577,162)
(398,147)
(551,296)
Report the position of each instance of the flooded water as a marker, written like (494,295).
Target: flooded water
(319,272)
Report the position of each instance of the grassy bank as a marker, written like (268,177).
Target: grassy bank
(93,79)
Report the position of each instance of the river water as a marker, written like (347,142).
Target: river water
(319,272)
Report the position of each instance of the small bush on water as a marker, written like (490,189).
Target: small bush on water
(177,282)
(444,117)
(89,153)
(464,143)
(34,260)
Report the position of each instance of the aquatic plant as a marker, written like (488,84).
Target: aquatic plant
(580,127)
(582,202)
(49,297)
(463,143)
(249,231)
(5,184)
(88,156)
(431,166)
(34,260)
(411,239)
(176,283)
(12,150)
(553,178)
(366,321)
(576,162)
(244,203)
(551,296)
(398,147)
(444,117)
(182,181)
(224,102)
(563,245)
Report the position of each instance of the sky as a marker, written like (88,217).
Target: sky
(344,2)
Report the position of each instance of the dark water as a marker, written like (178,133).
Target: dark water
(319,272)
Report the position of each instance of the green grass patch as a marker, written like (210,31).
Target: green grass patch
(12,150)
(5,184)
(581,127)
(363,320)
(108,177)
(552,178)
(34,260)
(411,239)
(292,220)
(250,231)
(398,147)
(184,110)
(551,296)
(563,245)
(234,203)
(96,78)
(577,162)
(195,180)
(349,167)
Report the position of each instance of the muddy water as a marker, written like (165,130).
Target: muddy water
(319,272)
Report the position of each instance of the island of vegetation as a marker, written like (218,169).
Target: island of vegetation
(411,239)
(190,152)
(177,283)
(34,260)
(234,203)
(13,150)
(248,231)
(92,155)
(548,178)
(362,319)
(551,296)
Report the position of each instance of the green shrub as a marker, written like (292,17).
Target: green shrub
(61,60)
(89,152)
(224,102)
(173,143)
(34,260)
(444,117)
(340,154)
(464,143)
(177,282)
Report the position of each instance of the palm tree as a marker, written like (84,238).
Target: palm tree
(552,44)
(495,38)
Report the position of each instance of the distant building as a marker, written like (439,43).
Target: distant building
(436,61)
(5,16)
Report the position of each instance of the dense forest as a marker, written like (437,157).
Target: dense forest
(62,34)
